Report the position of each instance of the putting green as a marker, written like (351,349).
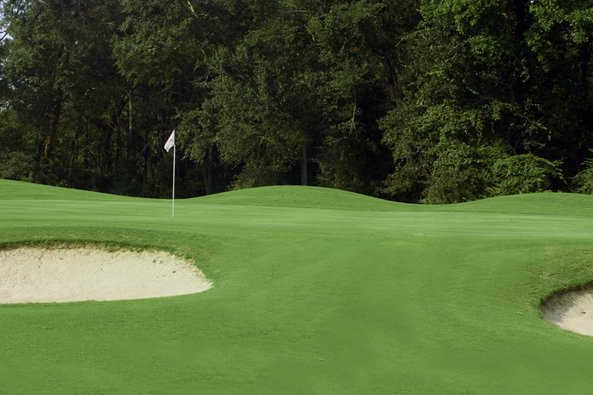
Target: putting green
(316,291)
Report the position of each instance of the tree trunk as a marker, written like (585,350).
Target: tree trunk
(209,171)
(73,154)
(585,59)
(46,145)
(130,113)
(305,166)
(521,28)
(146,154)
(53,129)
(391,78)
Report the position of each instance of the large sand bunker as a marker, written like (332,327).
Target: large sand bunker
(38,275)
(572,310)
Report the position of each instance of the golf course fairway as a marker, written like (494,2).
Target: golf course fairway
(315,291)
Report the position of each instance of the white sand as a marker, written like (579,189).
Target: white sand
(36,275)
(572,311)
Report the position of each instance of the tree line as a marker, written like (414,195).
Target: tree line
(414,100)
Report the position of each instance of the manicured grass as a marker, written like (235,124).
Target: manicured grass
(316,291)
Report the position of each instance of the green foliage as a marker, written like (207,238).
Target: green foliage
(410,100)
(15,151)
(65,89)
(460,172)
(15,165)
(509,74)
(525,174)
(583,181)
(261,108)
(355,43)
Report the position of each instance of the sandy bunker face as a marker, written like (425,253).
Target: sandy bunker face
(571,310)
(38,275)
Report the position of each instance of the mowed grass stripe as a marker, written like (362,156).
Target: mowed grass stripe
(366,297)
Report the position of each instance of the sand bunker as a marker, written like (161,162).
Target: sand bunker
(572,311)
(37,275)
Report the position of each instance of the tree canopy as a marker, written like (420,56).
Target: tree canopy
(414,100)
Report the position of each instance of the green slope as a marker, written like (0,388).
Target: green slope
(302,197)
(317,291)
(19,190)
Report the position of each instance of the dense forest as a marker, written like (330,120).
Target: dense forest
(413,100)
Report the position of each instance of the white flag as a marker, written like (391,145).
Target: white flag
(170,142)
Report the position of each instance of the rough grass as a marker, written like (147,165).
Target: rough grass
(317,291)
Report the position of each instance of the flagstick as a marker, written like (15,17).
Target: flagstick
(173,206)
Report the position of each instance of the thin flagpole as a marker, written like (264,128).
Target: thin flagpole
(173,202)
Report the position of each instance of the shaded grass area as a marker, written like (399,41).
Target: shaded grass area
(316,291)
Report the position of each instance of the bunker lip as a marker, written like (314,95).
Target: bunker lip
(64,274)
(571,310)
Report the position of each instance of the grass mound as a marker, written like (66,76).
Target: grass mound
(302,197)
(317,291)
(19,190)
